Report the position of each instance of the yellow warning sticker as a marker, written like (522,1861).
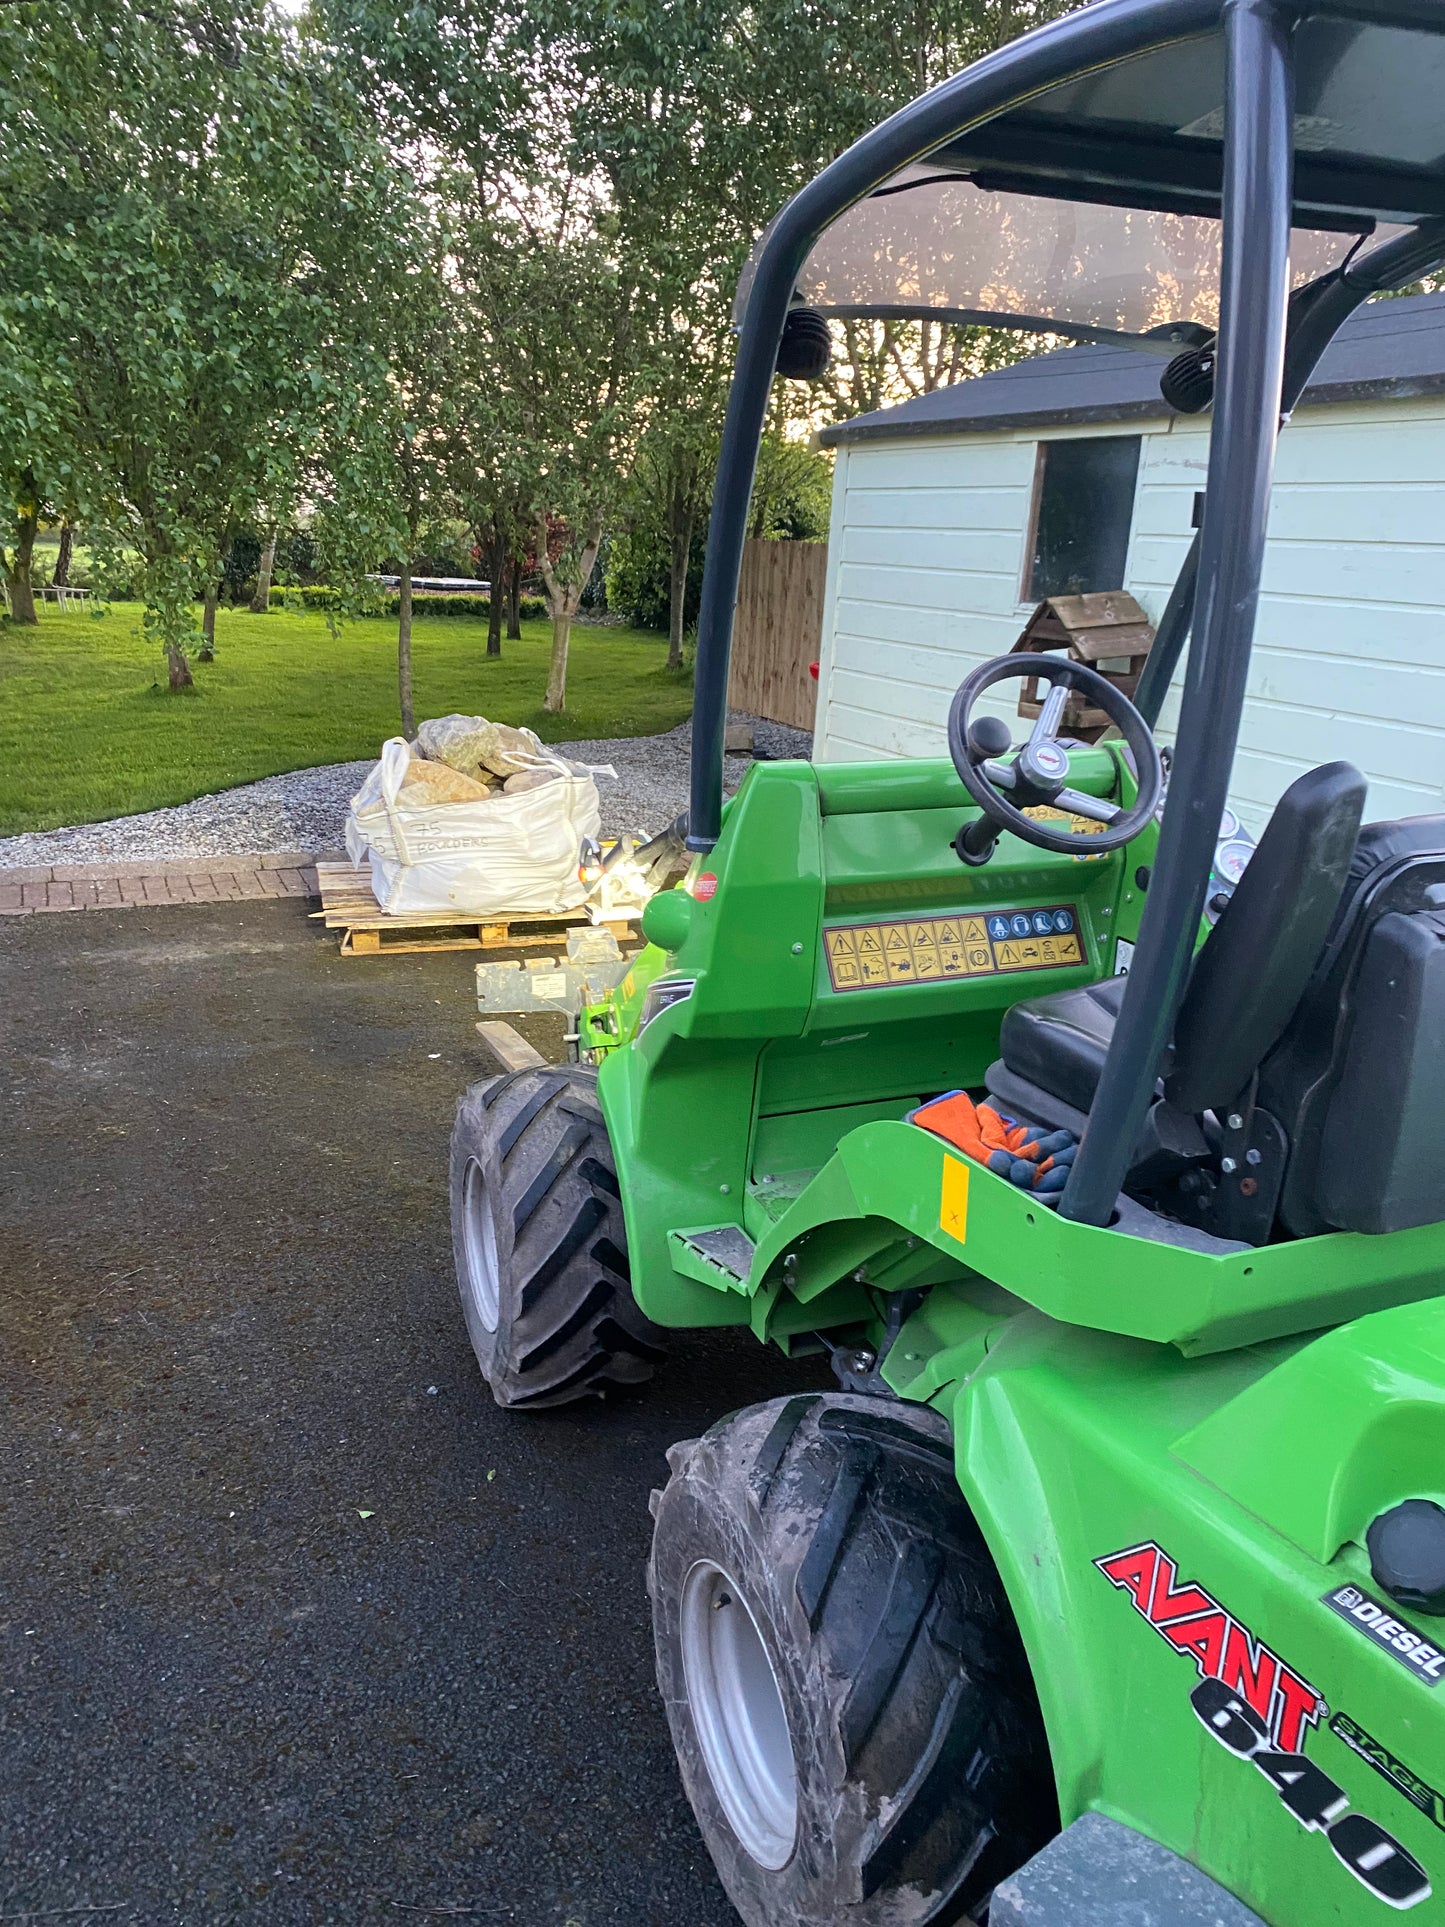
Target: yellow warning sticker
(953,1200)
(1051,813)
(922,950)
(1066,820)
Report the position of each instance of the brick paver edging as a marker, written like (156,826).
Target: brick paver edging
(117,886)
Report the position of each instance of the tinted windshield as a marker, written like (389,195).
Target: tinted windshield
(935,241)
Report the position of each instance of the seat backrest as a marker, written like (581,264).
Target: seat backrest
(1255,965)
(1358,1079)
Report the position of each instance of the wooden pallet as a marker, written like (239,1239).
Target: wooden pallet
(348,905)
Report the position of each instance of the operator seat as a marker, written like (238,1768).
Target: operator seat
(1358,1079)
(1246,982)
(1317,1004)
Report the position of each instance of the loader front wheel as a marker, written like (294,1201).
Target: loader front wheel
(849,1700)
(539,1242)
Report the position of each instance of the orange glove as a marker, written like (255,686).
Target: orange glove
(1018,1152)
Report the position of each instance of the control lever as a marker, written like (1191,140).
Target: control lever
(988,737)
(976,841)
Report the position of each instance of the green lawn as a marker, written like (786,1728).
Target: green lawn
(88,729)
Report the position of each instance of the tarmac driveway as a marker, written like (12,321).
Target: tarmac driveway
(295,1625)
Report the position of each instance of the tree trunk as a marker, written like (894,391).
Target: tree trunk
(261,601)
(17,574)
(403,653)
(178,668)
(514,600)
(677,595)
(563,599)
(61,578)
(496,590)
(207,650)
(556,699)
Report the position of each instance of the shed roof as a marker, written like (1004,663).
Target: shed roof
(1386,351)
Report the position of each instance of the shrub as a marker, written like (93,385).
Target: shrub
(424,607)
(639,575)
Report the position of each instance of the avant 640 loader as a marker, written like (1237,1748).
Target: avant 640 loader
(1110,1584)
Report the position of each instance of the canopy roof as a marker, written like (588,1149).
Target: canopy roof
(1094,208)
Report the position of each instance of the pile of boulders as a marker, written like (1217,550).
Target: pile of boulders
(466,759)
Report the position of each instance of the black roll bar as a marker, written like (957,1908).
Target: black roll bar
(1095,36)
(1253,297)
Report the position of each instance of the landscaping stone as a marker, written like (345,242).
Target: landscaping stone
(470,744)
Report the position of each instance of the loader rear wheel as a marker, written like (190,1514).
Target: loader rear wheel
(539,1242)
(850,1704)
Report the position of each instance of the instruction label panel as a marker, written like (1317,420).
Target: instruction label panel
(976,943)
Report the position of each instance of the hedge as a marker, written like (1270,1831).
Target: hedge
(532,606)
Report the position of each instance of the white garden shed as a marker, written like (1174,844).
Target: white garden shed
(956,513)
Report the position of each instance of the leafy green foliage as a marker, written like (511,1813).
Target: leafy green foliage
(792,491)
(639,575)
(200,223)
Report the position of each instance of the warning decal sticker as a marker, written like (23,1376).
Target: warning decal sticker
(921,950)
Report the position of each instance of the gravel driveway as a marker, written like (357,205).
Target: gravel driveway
(306,809)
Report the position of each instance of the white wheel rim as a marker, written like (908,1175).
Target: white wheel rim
(738,1713)
(479,1246)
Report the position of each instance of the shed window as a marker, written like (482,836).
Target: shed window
(1083,510)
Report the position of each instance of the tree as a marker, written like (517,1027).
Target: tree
(686,362)
(551,290)
(514,599)
(653,556)
(493,476)
(554,320)
(877,364)
(199,211)
(659,118)
(421,413)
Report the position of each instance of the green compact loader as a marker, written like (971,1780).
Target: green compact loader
(1109,1585)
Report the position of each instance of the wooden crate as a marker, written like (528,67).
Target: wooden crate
(348,905)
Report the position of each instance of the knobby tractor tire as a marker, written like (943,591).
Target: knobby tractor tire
(540,1248)
(849,1700)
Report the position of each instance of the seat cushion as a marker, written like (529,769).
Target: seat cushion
(1058,1042)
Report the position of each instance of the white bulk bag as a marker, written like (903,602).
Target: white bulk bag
(510,856)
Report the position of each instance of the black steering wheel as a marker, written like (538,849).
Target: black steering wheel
(1039,774)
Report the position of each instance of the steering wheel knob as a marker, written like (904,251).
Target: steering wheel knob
(989,736)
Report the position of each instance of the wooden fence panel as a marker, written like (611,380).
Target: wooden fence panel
(778,631)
